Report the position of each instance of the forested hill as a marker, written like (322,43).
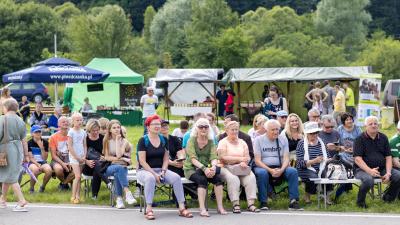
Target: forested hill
(385,13)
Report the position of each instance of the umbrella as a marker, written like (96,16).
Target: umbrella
(56,70)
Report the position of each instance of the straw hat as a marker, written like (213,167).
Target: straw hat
(311,127)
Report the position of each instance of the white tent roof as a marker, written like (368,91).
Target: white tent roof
(188,75)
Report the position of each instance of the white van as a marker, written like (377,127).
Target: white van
(391,92)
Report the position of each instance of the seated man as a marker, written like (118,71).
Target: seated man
(59,154)
(38,152)
(281,116)
(314,116)
(373,160)
(395,147)
(271,152)
(24,108)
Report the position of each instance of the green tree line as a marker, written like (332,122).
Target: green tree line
(202,33)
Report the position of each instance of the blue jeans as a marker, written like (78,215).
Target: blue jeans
(290,176)
(120,174)
(145,128)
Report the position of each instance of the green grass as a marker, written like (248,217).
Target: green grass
(345,204)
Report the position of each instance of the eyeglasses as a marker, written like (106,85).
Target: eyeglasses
(203,127)
(315,133)
(283,117)
(329,127)
(315,116)
(155,124)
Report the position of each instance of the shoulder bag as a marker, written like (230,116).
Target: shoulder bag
(238,170)
(3,145)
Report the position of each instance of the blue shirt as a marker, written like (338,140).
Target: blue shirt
(53,121)
(347,138)
(185,138)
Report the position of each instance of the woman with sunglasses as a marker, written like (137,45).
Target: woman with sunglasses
(153,168)
(201,165)
(311,158)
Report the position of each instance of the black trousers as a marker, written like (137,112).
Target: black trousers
(98,176)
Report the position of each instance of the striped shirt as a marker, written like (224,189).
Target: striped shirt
(313,151)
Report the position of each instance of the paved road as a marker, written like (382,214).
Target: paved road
(41,214)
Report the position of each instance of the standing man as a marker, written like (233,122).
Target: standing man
(350,104)
(339,103)
(373,160)
(265,92)
(221,96)
(328,103)
(148,103)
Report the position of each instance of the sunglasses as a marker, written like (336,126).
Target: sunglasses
(283,117)
(203,127)
(329,127)
(315,133)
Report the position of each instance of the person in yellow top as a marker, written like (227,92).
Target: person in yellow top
(350,103)
(339,104)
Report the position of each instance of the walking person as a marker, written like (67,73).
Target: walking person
(221,97)
(148,103)
(12,142)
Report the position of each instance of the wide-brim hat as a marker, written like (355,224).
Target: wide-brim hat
(311,127)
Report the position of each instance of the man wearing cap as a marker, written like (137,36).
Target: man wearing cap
(282,117)
(271,152)
(395,147)
(38,150)
(148,103)
(373,160)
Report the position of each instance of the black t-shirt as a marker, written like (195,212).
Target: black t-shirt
(292,143)
(372,151)
(174,145)
(33,144)
(154,156)
(96,145)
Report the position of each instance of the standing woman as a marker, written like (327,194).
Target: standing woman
(230,102)
(12,133)
(294,132)
(201,165)
(116,149)
(153,167)
(274,103)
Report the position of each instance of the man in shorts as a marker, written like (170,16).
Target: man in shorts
(59,154)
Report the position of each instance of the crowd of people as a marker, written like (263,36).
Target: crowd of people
(278,148)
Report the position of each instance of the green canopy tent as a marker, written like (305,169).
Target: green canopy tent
(292,81)
(118,88)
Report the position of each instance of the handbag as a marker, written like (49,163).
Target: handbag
(238,170)
(93,154)
(335,170)
(3,148)
(104,165)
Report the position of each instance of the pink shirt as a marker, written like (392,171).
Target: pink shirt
(229,149)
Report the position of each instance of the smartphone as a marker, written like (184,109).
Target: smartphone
(336,143)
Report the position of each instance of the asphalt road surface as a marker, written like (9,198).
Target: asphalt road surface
(45,214)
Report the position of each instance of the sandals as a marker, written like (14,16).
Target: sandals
(204,213)
(149,215)
(236,209)
(3,204)
(253,208)
(185,213)
(222,212)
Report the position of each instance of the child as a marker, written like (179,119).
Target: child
(77,153)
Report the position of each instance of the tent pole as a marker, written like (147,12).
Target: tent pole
(287,94)
(215,101)
(238,99)
(55,94)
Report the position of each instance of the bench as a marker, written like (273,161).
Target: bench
(49,110)
(325,181)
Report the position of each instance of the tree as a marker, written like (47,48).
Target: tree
(233,49)
(209,18)
(310,51)
(346,21)
(167,32)
(263,25)
(104,32)
(148,18)
(386,16)
(271,57)
(383,54)
(167,61)
(67,11)
(25,30)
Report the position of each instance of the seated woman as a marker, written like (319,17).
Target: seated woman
(233,152)
(201,165)
(311,158)
(294,132)
(258,126)
(38,152)
(95,157)
(213,126)
(116,149)
(153,167)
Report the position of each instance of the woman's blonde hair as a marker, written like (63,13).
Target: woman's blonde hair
(195,129)
(92,124)
(103,122)
(300,129)
(108,135)
(258,120)
(5,93)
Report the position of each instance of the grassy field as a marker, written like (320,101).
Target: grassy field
(346,202)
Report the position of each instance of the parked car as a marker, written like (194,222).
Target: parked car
(36,92)
(391,92)
(157,89)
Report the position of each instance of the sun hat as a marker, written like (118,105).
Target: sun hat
(311,127)
(281,113)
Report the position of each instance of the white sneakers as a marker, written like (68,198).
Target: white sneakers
(19,208)
(129,198)
(119,203)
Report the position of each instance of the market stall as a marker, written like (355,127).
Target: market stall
(187,89)
(118,97)
(293,82)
